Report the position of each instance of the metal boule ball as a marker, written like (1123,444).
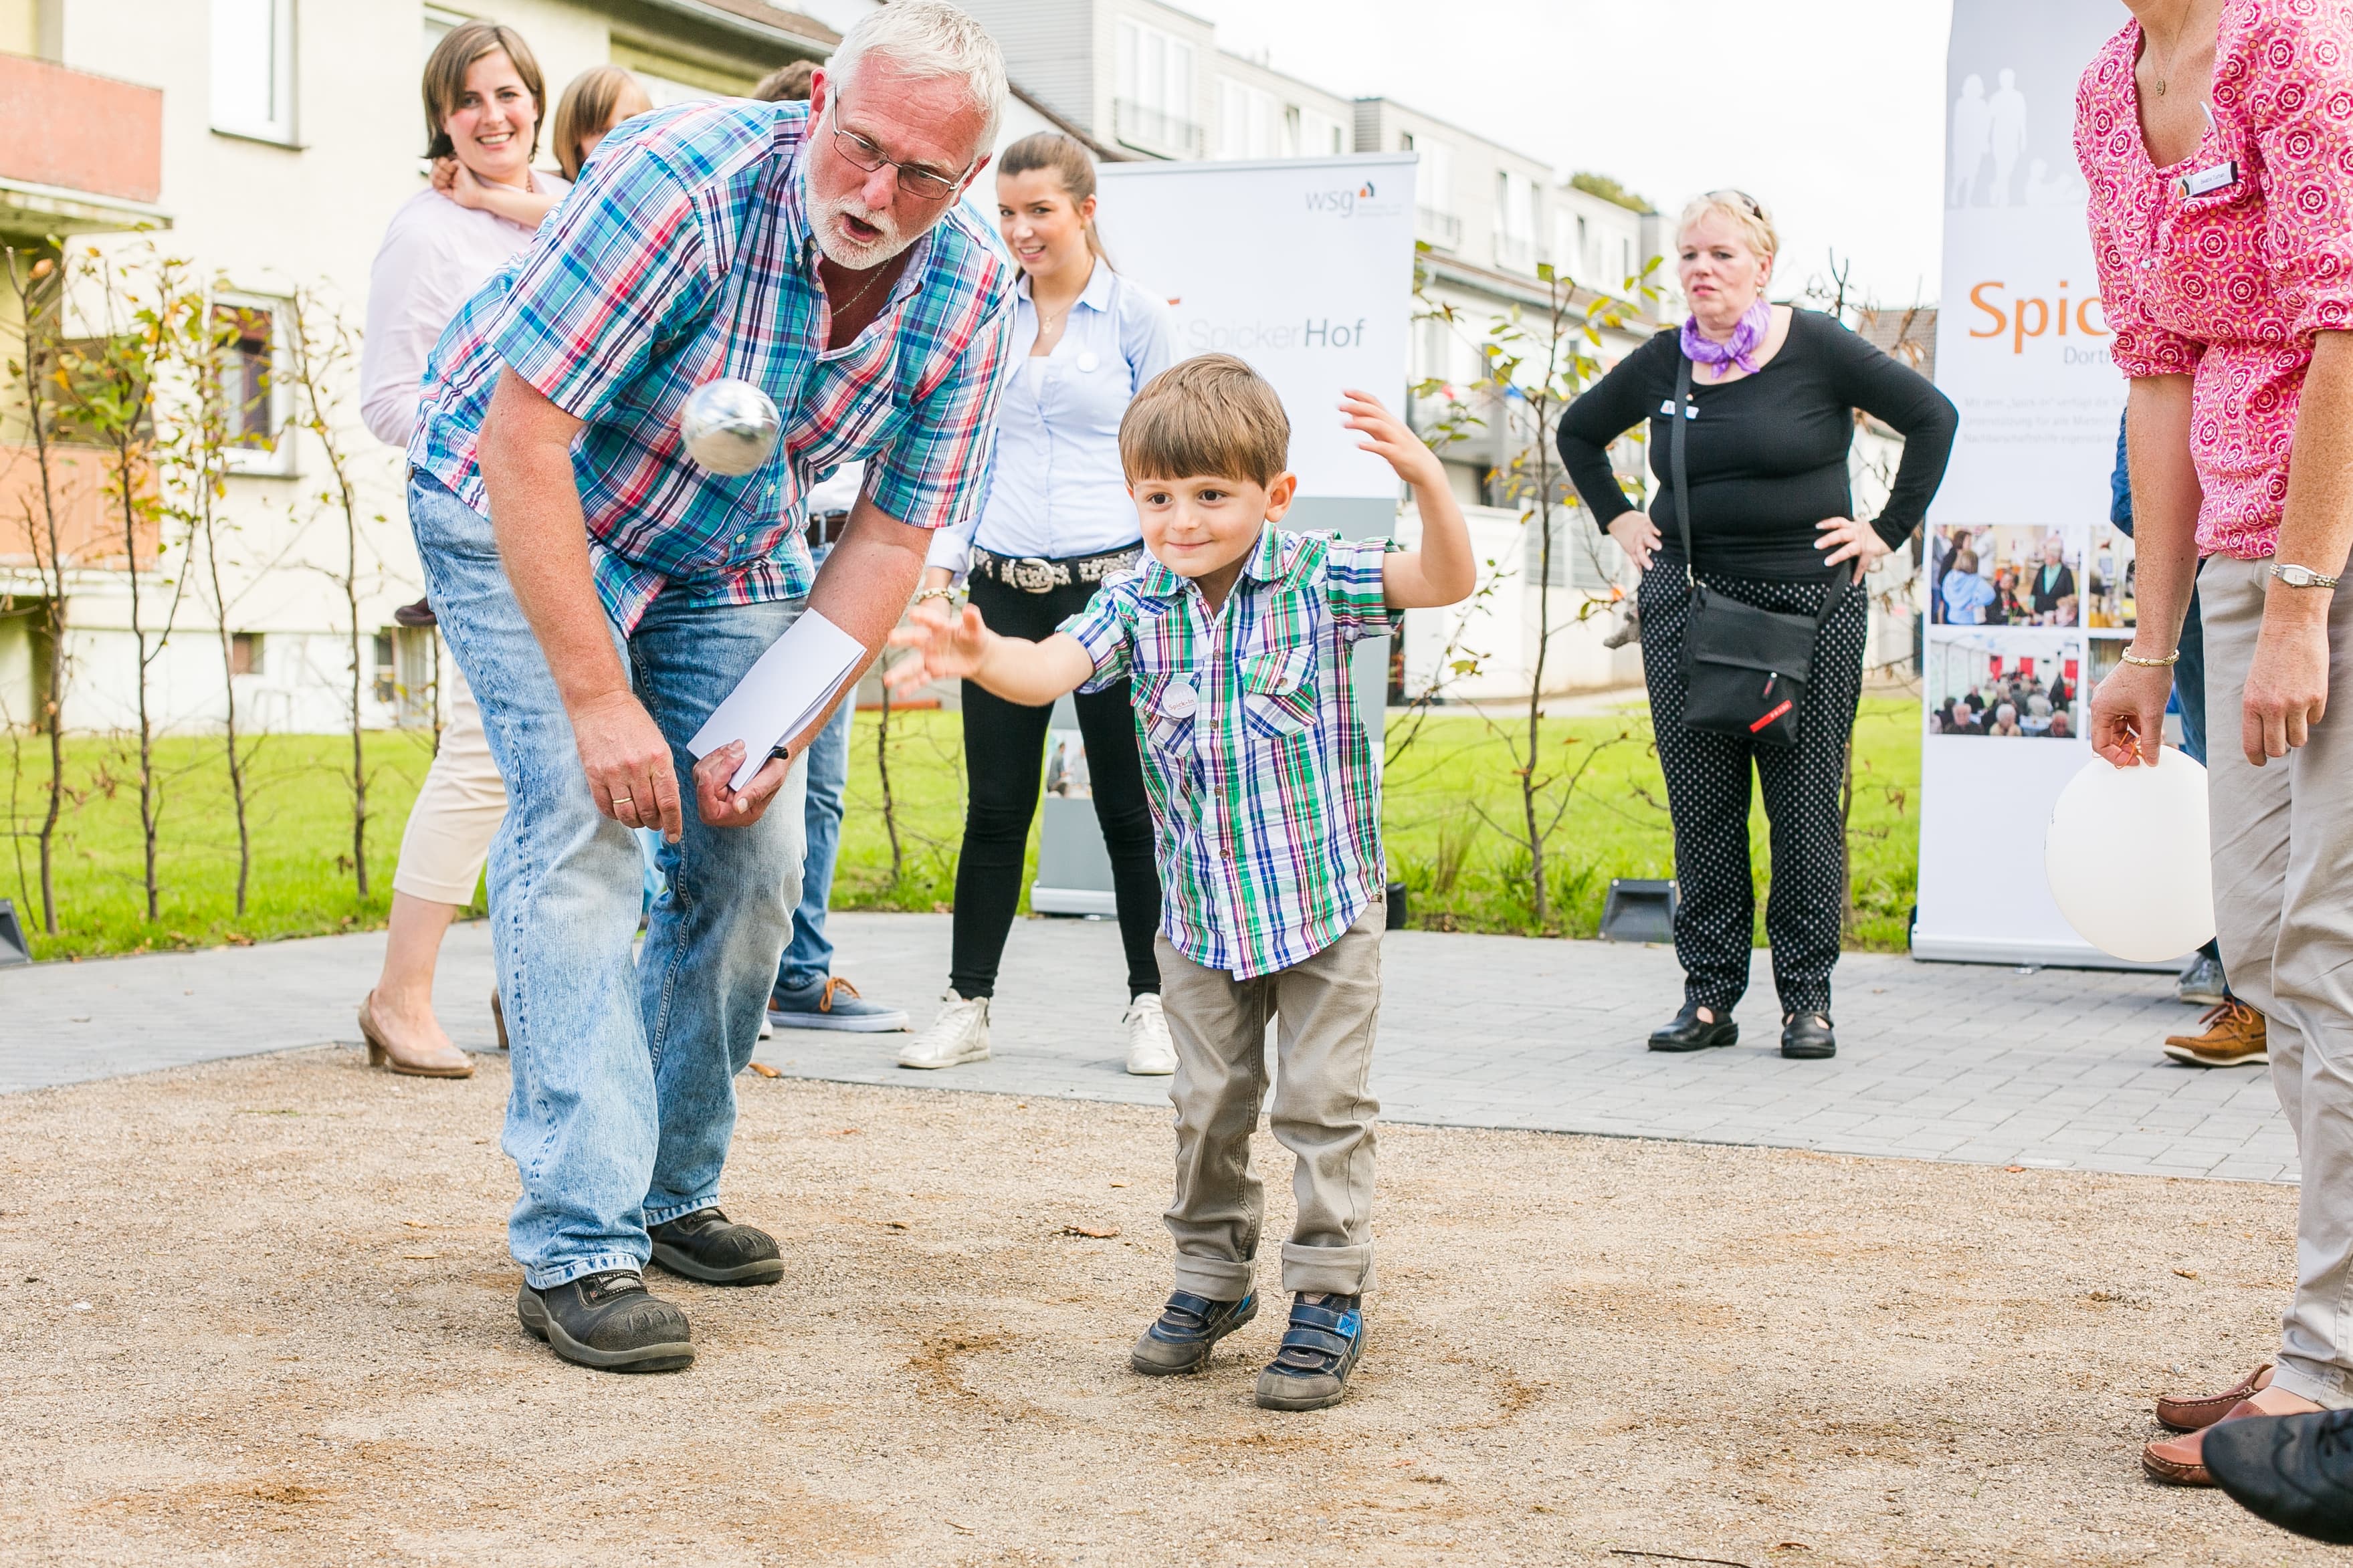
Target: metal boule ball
(730,426)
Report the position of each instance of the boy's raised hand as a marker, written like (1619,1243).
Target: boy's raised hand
(1387,435)
(946,650)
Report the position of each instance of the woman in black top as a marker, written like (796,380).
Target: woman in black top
(1774,391)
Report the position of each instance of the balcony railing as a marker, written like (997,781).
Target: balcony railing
(1441,229)
(1155,130)
(1516,255)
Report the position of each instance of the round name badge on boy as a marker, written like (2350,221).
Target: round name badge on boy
(1180,701)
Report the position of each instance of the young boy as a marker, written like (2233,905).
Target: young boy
(1267,809)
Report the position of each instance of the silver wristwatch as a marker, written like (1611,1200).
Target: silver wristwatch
(2303,577)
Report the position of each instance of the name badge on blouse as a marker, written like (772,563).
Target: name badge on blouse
(1691,410)
(2206,182)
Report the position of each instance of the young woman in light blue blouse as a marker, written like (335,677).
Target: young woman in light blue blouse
(1057,521)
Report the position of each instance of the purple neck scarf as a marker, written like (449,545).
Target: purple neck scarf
(1748,335)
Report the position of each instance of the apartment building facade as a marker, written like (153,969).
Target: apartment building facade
(268,143)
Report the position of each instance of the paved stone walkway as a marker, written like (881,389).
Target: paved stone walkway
(2051,1068)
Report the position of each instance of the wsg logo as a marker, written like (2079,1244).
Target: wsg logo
(2021,317)
(1341,203)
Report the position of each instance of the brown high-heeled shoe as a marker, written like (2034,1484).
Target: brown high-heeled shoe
(382,1054)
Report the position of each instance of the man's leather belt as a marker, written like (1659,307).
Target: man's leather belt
(1035,575)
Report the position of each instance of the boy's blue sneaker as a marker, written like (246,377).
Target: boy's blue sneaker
(831,1002)
(1180,1339)
(1319,1351)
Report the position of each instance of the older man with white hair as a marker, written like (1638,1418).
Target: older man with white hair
(603,592)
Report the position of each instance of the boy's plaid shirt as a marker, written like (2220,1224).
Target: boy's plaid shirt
(683,255)
(1262,784)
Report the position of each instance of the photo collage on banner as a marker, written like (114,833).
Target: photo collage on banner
(2028,590)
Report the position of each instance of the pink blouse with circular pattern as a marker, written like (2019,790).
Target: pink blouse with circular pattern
(2229,286)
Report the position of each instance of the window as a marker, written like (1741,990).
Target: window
(1435,180)
(1154,107)
(1320,135)
(1248,122)
(253,68)
(387,667)
(255,394)
(437,26)
(245,653)
(1516,220)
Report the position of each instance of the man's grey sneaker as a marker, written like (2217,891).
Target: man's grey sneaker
(1179,1340)
(2201,984)
(1150,1052)
(708,1246)
(610,1322)
(959,1035)
(831,1002)
(1319,1351)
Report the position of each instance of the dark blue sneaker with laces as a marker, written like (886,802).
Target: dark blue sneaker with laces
(1180,1339)
(1319,1351)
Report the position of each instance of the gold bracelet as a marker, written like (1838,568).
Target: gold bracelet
(2167,662)
(942,593)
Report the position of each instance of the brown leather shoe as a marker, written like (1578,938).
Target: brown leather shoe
(2232,1034)
(2181,1461)
(2192,1413)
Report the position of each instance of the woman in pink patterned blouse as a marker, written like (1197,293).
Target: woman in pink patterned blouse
(2216,137)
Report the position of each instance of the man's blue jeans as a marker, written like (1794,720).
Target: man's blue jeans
(808,958)
(623,1098)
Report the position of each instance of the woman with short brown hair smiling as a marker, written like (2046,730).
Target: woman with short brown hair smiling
(483,102)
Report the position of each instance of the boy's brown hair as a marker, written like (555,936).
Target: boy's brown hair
(1209,416)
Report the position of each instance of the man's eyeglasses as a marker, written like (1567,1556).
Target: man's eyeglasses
(918,180)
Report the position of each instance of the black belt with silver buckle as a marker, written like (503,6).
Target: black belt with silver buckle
(1036,575)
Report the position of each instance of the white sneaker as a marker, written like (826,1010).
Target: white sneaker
(959,1035)
(1150,1052)
(767,1030)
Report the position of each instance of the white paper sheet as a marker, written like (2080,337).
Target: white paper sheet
(782,693)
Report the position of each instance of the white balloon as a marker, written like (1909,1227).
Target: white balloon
(729,426)
(2127,858)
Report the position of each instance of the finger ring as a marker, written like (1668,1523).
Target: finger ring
(619,800)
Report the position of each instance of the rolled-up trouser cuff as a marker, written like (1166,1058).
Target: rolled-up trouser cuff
(1214,1278)
(2325,1387)
(1338,1270)
(666,1213)
(548,1278)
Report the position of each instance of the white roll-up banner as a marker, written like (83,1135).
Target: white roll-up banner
(2029,589)
(1303,267)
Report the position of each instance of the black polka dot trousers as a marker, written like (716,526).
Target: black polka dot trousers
(1707,798)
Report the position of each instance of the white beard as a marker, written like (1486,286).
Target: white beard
(837,247)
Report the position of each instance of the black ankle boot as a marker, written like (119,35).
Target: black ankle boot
(706,1245)
(610,1322)
(1807,1037)
(1688,1034)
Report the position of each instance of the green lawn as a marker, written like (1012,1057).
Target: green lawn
(1452,801)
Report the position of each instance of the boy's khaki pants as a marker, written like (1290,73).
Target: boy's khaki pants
(1327,1008)
(2283,838)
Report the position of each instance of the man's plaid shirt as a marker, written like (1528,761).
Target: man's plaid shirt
(1263,789)
(684,255)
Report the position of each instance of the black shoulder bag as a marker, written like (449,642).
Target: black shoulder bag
(1745,669)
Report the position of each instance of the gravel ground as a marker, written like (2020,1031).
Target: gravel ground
(262,1312)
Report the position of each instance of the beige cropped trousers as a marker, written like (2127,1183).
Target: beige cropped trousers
(458,810)
(2283,839)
